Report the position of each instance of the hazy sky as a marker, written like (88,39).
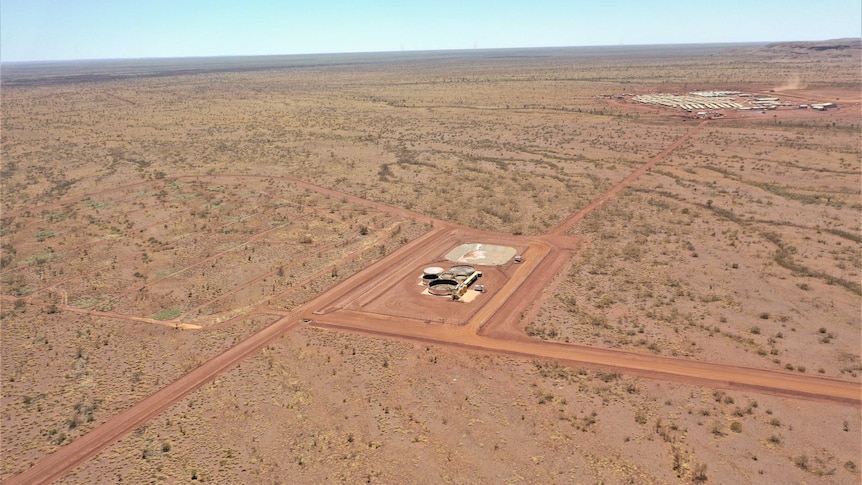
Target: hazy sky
(90,29)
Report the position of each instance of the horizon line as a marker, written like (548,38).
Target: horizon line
(405,51)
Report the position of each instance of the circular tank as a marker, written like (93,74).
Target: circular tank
(446,276)
(429,277)
(433,270)
(442,287)
(462,269)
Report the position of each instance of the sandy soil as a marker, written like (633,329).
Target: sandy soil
(221,282)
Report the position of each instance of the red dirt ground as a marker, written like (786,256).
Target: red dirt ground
(385,300)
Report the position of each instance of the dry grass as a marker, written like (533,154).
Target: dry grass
(742,246)
(322,407)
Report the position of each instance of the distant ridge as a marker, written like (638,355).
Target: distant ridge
(823,45)
(823,49)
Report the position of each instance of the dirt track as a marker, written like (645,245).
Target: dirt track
(494,328)
(68,457)
(598,201)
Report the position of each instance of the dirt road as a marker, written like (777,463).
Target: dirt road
(496,328)
(82,449)
(785,384)
(598,201)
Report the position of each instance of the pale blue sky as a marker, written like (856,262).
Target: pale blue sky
(93,29)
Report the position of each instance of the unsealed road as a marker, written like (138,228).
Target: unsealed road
(477,335)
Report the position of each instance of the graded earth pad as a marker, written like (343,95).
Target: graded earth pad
(396,289)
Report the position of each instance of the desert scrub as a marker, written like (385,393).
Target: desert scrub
(168,314)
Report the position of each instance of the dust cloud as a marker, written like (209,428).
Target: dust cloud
(793,83)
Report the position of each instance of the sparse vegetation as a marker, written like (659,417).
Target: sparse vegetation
(167,314)
(184,209)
